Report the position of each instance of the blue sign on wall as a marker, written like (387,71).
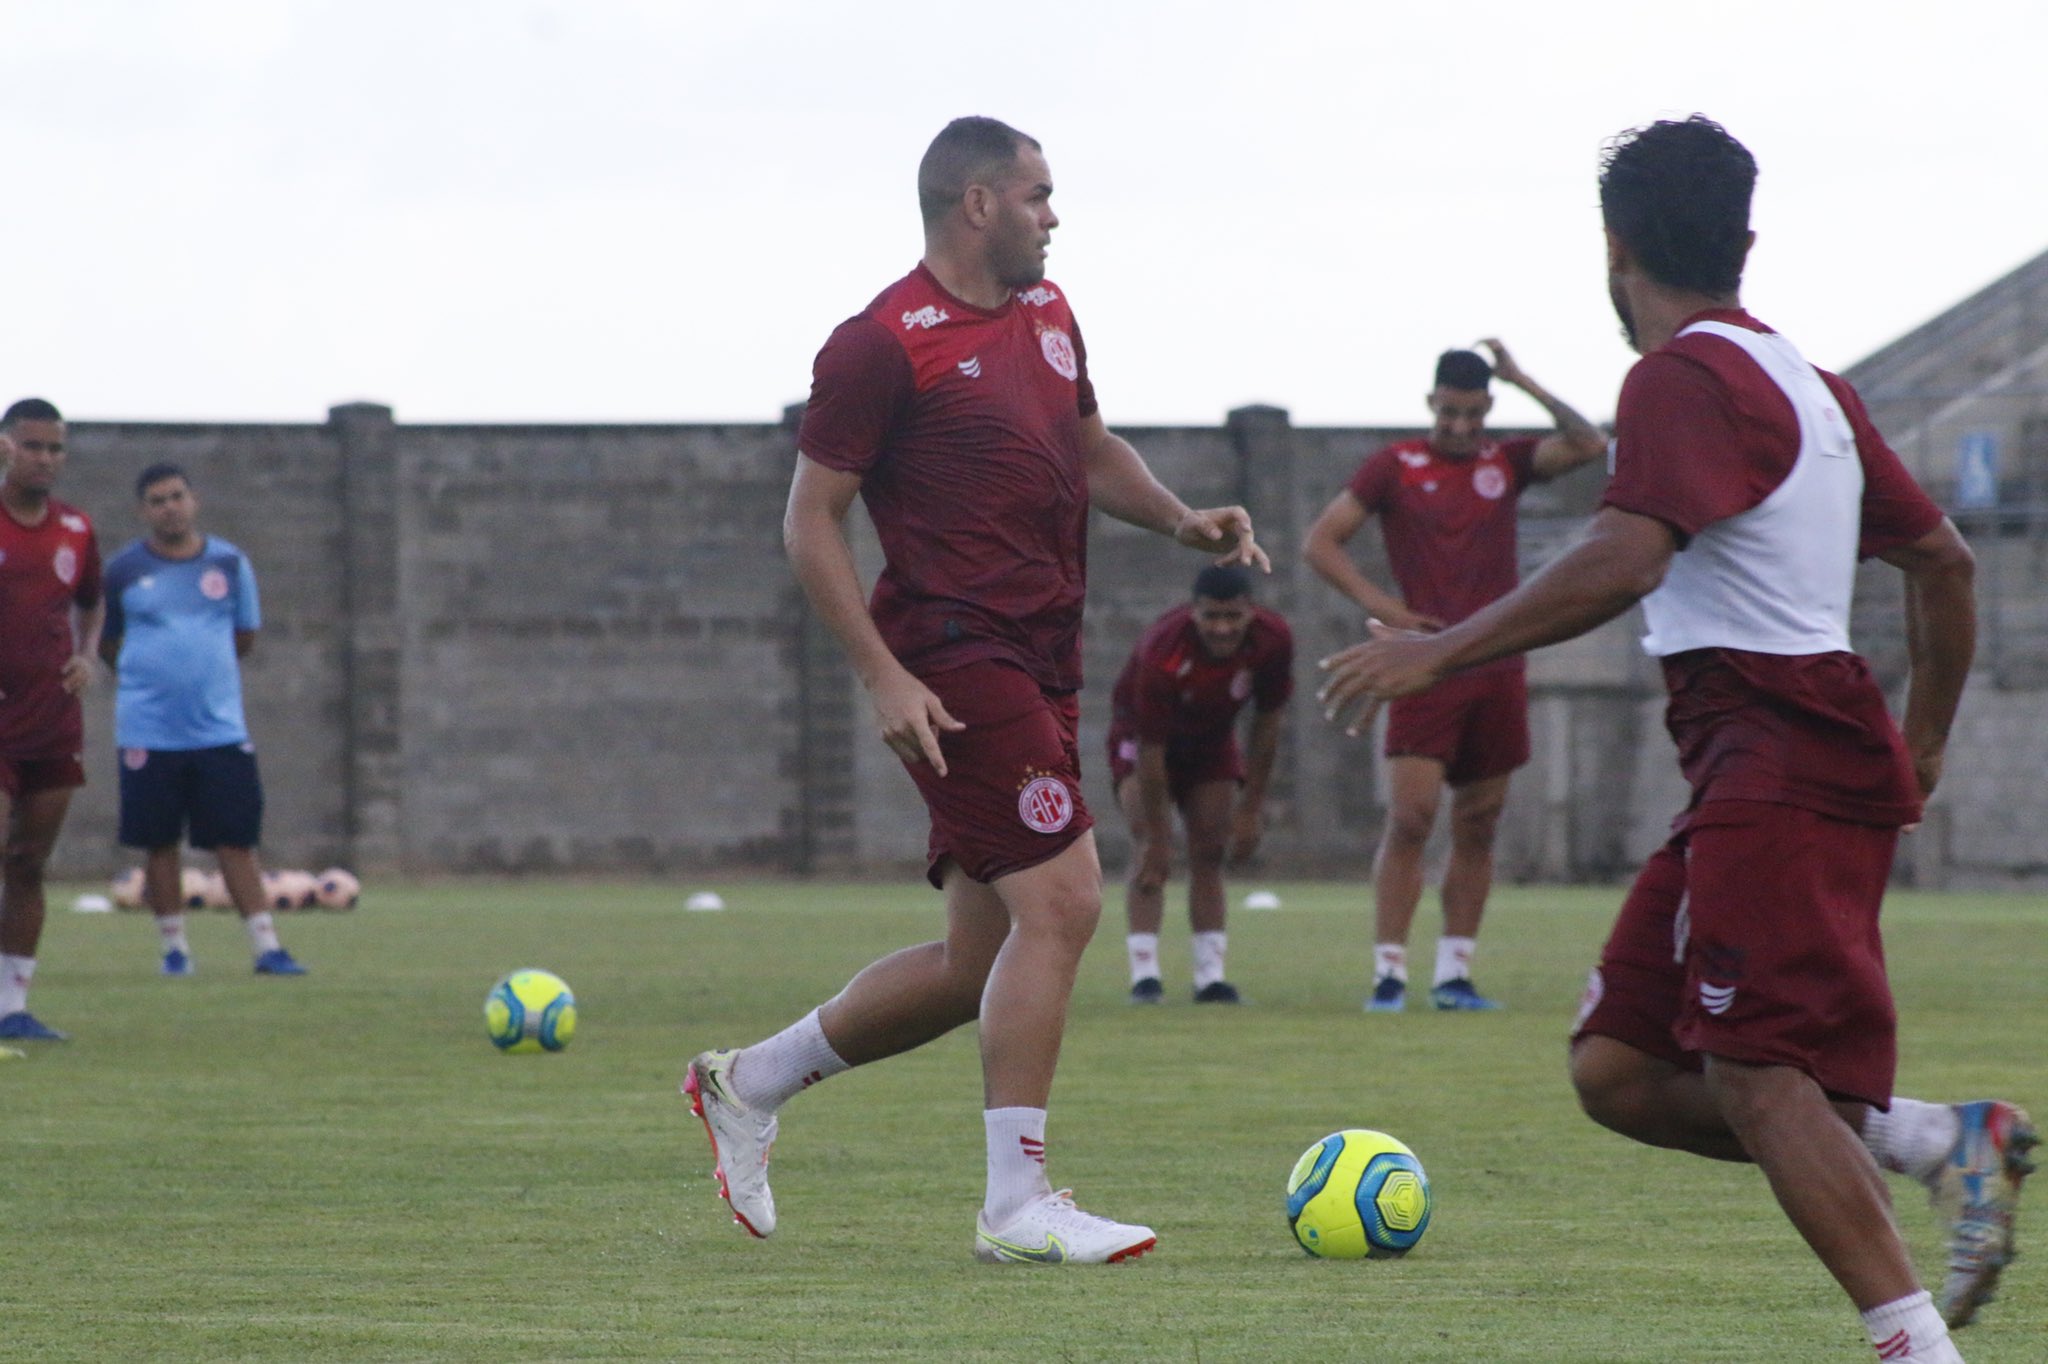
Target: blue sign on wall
(1977,469)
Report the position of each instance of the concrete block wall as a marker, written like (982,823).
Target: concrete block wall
(554,648)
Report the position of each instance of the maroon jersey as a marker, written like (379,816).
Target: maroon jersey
(45,570)
(964,424)
(1449,523)
(1173,691)
(1702,433)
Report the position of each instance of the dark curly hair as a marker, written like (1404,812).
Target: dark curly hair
(1677,195)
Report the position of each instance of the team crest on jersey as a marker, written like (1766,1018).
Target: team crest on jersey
(1045,805)
(70,522)
(1038,295)
(65,564)
(213,584)
(134,759)
(926,317)
(1489,482)
(1059,352)
(1241,684)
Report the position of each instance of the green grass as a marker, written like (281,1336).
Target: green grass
(340,1167)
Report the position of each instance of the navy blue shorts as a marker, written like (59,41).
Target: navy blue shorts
(213,791)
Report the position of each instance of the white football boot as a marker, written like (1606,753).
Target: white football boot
(740,1140)
(1050,1230)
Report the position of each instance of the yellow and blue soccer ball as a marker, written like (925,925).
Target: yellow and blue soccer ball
(1357,1195)
(530,1011)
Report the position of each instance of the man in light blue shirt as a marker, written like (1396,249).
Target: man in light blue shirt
(181,612)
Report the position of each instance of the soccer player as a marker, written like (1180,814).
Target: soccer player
(1446,504)
(182,613)
(50,616)
(958,406)
(1173,746)
(1740,1008)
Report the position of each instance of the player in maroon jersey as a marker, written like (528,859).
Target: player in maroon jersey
(1740,1009)
(51,612)
(958,407)
(1173,746)
(1446,504)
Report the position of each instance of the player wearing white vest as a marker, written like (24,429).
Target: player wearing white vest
(1737,1015)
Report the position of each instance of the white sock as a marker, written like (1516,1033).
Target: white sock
(15,973)
(1909,1329)
(171,928)
(1389,959)
(262,932)
(1143,949)
(1016,1161)
(1914,1138)
(1454,959)
(1209,949)
(766,1075)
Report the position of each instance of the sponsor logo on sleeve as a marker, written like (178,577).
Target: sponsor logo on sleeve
(971,367)
(70,522)
(1038,295)
(926,317)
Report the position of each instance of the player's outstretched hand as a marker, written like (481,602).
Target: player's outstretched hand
(1392,663)
(1225,532)
(911,717)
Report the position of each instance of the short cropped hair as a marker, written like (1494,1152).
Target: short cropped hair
(1463,369)
(1223,582)
(967,151)
(30,410)
(1677,193)
(158,473)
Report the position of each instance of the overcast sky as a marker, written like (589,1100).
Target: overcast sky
(623,210)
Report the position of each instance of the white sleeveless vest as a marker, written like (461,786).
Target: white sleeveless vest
(1778,578)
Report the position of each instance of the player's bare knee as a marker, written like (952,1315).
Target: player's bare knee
(1409,826)
(1611,1086)
(1206,854)
(1069,915)
(23,863)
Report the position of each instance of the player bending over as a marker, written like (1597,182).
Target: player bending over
(1746,486)
(958,406)
(1173,746)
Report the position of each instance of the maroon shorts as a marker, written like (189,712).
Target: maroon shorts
(1188,765)
(1011,796)
(25,776)
(1475,724)
(1753,935)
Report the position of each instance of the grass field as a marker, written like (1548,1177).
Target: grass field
(340,1167)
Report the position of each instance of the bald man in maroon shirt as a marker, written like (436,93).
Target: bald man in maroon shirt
(958,407)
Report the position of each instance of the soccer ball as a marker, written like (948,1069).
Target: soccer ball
(338,889)
(289,889)
(530,1011)
(1358,1195)
(192,888)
